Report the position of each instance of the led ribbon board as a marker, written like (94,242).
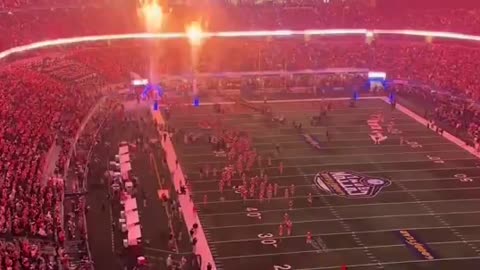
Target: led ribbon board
(236,34)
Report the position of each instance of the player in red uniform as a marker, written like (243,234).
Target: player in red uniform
(221,185)
(309,199)
(290,204)
(289,225)
(207,170)
(269,193)
(292,189)
(280,230)
(286,217)
(309,238)
(275,189)
(244,194)
(205,200)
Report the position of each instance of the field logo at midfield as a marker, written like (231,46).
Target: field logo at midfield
(349,184)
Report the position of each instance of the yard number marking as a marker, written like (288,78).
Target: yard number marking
(436,159)
(282,267)
(463,177)
(267,239)
(253,213)
(414,144)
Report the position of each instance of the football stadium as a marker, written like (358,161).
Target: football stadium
(239,134)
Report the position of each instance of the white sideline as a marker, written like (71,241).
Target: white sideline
(189,214)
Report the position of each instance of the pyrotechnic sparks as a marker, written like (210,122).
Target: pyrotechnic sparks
(152,14)
(195,34)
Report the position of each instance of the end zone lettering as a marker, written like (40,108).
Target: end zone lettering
(349,184)
(374,122)
(416,245)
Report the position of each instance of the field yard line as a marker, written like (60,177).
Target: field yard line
(401,180)
(349,233)
(344,206)
(363,163)
(337,249)
(297,221)
(300,142)
(342,155)
(350,266)
(362,172)
(370,145)
(334,195)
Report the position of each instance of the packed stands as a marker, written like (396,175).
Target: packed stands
(39,116)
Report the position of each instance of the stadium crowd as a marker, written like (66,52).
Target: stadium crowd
(32,124)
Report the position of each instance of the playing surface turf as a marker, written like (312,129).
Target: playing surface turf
(434,195)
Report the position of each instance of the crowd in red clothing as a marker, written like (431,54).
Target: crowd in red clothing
(22,254)
(37,114)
